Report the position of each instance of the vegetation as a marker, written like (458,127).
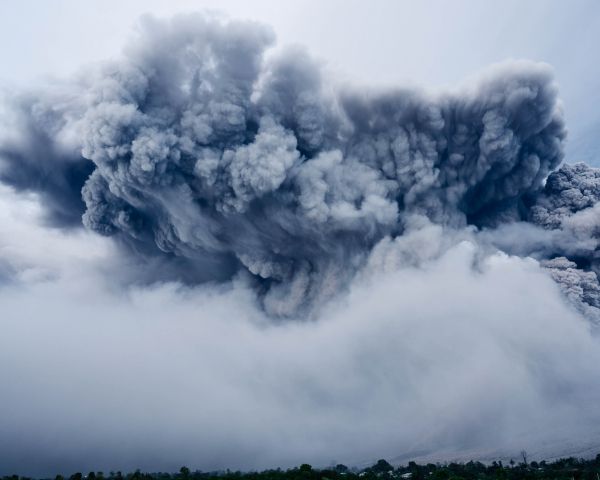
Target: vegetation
(567,469)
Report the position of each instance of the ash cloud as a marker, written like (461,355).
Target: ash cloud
(36,154)
(212,154)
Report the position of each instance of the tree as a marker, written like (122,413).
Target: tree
(185,472)
(382,466)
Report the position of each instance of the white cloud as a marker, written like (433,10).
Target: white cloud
(432,359)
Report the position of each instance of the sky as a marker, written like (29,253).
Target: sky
(336,233)
(434,44)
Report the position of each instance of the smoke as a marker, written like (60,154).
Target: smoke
(37,155)
(434,264)
(206,150)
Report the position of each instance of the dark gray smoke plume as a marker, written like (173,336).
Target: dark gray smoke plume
(35,156)
(569,204)
(198,148)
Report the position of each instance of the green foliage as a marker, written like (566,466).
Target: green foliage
(563,469)
(382,466)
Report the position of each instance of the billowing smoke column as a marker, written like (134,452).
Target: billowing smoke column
(198,148)
(569,204)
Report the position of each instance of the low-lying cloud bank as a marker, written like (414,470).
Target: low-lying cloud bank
(294,271)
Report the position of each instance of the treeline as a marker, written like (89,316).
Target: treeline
(564,469)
